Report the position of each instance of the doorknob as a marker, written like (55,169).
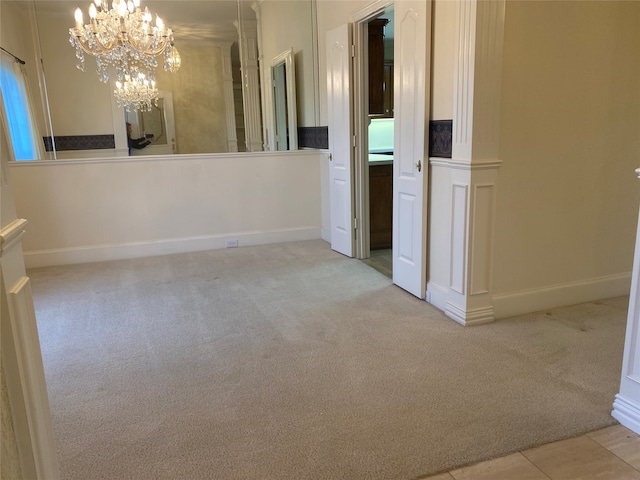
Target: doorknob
(419,165)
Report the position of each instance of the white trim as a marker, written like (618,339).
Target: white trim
(627,413)
(570,293)
(11,234)
(369,11)
(158,158)
(98,253)
(437,296)
(467,317)
(464,164)
(31,372)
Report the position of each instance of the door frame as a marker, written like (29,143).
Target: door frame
(360,18)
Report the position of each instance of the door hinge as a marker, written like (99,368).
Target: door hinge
(353,139)
(353,51)
(355,223)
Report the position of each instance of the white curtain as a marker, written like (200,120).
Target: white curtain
(17,112)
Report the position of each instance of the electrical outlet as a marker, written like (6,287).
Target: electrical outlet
(231,243)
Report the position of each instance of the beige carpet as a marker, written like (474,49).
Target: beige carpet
(290,361)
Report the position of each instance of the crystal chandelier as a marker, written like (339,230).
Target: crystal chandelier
(136,93)
(124,38)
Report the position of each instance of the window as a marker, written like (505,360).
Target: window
(16,111)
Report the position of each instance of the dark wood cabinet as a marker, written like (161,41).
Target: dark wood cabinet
(376,66)
(388,89)
(380,205)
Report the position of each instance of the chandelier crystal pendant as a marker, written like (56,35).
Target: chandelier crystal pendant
(124,38)
(136,93)
(173,61)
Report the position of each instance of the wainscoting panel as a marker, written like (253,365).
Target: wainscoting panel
(481,239)
(459,203)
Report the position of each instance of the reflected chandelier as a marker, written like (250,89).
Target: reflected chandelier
(136,93)
(123,37)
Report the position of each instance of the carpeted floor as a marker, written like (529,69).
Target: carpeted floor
(290,361)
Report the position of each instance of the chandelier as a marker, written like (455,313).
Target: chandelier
(124,38)
(136,93)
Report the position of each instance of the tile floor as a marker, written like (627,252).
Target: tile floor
(381,260)
(609,454)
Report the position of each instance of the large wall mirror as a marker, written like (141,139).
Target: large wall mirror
(221,97)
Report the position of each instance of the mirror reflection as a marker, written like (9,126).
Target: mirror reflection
(221,96)
(284,102)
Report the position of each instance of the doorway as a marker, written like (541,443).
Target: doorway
(378,157)
(348,118)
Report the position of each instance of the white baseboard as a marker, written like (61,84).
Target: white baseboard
(478,316)
(100,253)
(559,295)
(325,235)
(533,300)
(437,296)
(627,413)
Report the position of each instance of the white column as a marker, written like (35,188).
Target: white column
(474,163)
(265,73)
(626,407)
(229,104)
(250,85)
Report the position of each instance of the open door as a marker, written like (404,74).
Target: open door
(412,48)
(339,91)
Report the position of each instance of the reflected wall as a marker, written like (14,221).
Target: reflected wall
(76,109)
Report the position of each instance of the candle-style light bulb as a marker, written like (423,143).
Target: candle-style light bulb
(160,24)
(122,8)
(78,17)
(93,11)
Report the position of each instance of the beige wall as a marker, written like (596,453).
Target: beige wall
(198,100)
(288,25)
(568,197)
(80,104)
(139,206)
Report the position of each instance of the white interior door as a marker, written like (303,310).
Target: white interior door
(339,91)
(410,166)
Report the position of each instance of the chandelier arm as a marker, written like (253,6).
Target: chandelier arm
(103,48)
(82,45)
(146,50)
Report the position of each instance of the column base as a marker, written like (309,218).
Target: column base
(627,413)
(466,317)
